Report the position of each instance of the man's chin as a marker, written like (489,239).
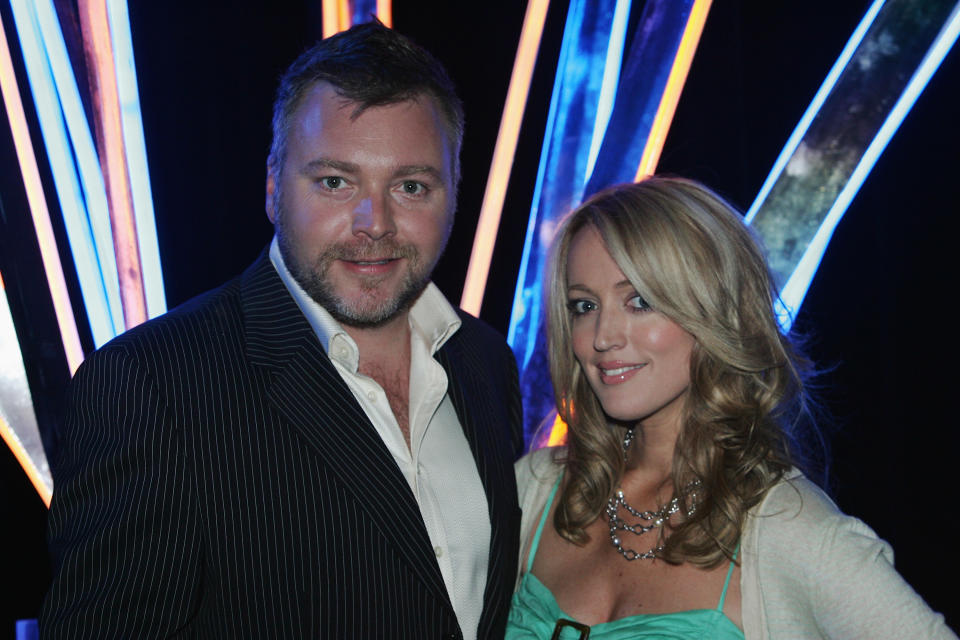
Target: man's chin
(364,318)
(367,312)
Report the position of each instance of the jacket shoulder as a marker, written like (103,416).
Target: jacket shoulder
(478,330)
(212,312)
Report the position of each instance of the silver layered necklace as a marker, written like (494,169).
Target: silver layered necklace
(649,520)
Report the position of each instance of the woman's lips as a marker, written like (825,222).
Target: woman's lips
(617,372)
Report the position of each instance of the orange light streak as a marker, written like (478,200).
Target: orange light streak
(330,15)
(345,15)
(98,47)
(671,93)
(558,433)
(385,12)
(503,153)
(7,432)
(335,15)
(36,479)
(38,208)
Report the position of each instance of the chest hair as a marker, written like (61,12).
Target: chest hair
(395,382)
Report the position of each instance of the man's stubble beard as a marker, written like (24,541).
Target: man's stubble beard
(314,281)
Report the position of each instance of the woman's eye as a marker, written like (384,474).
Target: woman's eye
(637,302)
(332,182)
(580,307)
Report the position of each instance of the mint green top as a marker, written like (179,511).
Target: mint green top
(534,612)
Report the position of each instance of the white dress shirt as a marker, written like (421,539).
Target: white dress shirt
(438,464)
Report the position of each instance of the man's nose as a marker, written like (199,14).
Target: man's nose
(373,217)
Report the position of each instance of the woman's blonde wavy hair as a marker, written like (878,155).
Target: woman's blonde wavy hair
(690,256)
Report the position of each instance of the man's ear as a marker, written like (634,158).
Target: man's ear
(271,203)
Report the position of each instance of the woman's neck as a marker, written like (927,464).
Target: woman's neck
(650,457)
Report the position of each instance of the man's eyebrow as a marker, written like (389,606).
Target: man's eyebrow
(414,169)
(321,164)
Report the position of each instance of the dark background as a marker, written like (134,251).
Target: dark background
(877,315)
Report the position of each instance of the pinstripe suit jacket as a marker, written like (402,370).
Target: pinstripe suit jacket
(217,479)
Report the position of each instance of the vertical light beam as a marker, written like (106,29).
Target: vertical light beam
(611,80)
(503,154)
(385,12)
(84,154)
(93,257)
(37,201)
(98,48)
(671,94)
(138,172)
(652,77)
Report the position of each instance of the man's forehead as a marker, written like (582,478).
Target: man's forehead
(329,95)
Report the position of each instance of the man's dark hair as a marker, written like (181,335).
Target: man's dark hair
(370,65)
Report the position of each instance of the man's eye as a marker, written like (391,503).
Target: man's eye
(413,188)
(331,182)
(580,307)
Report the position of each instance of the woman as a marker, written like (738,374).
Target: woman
(676,509)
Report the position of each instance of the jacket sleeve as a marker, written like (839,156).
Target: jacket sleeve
(515,406)
(122,533)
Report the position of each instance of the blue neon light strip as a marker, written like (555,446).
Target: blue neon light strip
(136,155)
(564,155)
(795,290)
(85,155)
(848,125)
(561,178)
(611,80)
(646,71)
(92,257)
(362,10)
(821,96)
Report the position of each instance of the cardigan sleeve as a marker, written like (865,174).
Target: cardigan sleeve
(536,473)
(817,573)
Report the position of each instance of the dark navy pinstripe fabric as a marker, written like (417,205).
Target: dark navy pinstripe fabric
(218,480)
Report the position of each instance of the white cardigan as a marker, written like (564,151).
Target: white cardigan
(807,570)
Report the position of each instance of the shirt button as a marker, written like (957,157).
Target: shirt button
(343,352)
(438,551)
(371,396)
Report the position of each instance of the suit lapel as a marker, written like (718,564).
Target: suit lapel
(309,393)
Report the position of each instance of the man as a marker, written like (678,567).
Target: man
(323,447)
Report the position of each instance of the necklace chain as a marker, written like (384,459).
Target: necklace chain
(655,518)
